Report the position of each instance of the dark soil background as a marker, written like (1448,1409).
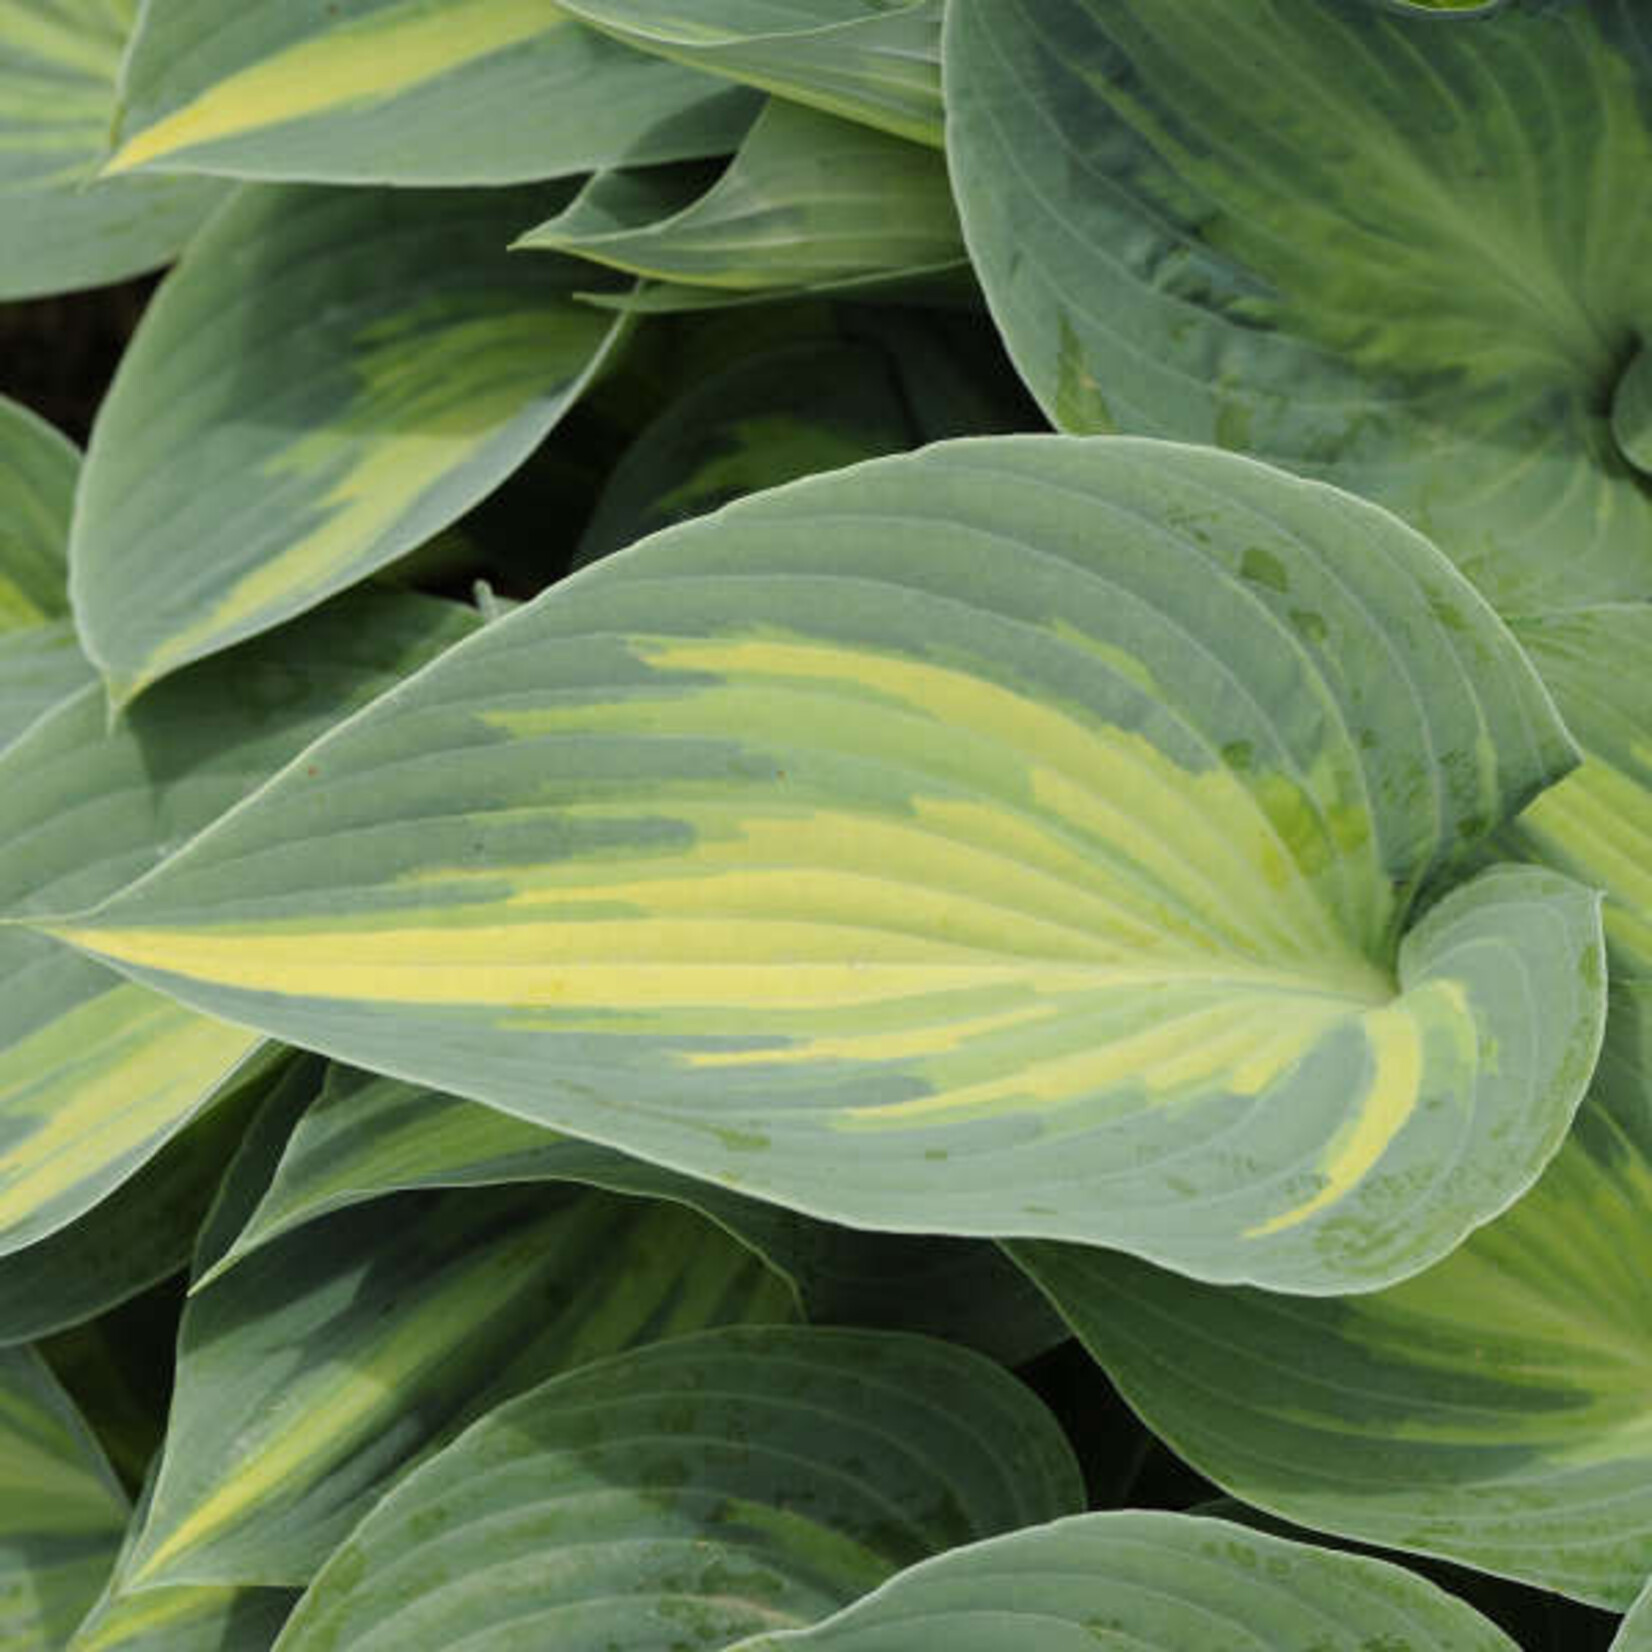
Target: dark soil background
(57,355)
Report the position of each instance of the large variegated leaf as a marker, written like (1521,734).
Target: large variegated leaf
(405,92)
(38,468)
(693,1493)
(319,1370)
(141,1233)
(808,200)
(876,61)
(366,1136)
(1403,252)
(63,228)
(1493,1410)
(97,1074)
(1597,824)
(1141,1582)
(62,1511)
(326,380)
(994,886)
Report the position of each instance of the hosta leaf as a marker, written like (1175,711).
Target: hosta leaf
(405,92)
(809,199)
(366,1136)
(1493,1410)
(1406,253)
(141,1233)
(326,380)
(1636,1633)
(876,61)
(787,412)
(185,1619)
(96,1074)
(40,667)
(315,1373)
(991,887)
(1597,824)
(38,468)
(694,1492)
(65,229)
(1149,1580)
(61,1509)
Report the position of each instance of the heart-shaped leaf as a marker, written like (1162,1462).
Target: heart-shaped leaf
(1403,252)
(999,886)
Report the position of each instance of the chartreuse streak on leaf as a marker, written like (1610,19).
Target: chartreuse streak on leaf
(373,57)
(429,398)
(321,1368)
(1400,252)
(998,915)
(404,365)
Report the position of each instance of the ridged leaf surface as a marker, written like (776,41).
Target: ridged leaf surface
(876,61)
(329,378)
(65,228)
(1404,252)
(405,92)
(691,1493)
(986,841)
(1132,1581)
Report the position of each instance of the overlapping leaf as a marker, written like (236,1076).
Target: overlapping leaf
(196,1618)
(184,1618)
(96,1074)
(61,1509)
(1150,1581)
(1002,886)
(38,468)
(315,1373)
(64,229)
(366,1136)
(1494,1410)
(405,92)
(707,1487)
(802,407)
(40,667)
(141,1233)
(876,61)
(1404,252)
(1597,824)
(329,378)
(808,201)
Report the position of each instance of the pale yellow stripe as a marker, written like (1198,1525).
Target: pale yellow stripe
(380,1379)
(1247,1041)
(1202,835)
(116,1071)
(365,61)
(1396,1044)
(904,1044)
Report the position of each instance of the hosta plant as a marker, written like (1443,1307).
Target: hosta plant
(826,823)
